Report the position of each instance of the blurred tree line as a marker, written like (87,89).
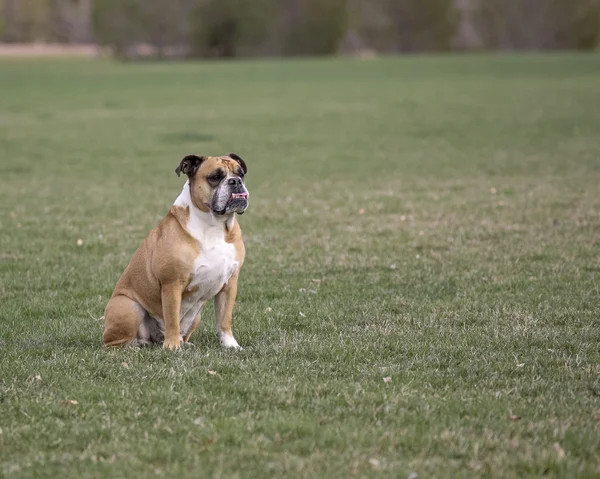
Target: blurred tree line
(230,28)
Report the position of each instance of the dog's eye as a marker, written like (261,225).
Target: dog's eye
(216,177)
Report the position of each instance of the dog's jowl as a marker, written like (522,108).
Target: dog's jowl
(193,255)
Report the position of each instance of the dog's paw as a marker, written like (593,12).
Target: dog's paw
(229,342)
(173,344)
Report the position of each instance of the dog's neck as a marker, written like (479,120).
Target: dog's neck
(205,217)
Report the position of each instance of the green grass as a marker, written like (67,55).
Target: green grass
(432,220)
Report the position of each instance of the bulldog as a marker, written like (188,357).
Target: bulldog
(193,255)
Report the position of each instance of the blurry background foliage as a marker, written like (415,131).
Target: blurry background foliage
(232,28)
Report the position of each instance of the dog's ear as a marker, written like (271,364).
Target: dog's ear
(238,158)
(189,165)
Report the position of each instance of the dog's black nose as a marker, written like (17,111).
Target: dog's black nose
(234,181)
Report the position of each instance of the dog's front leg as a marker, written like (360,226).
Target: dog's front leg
(171,304)
(224,302)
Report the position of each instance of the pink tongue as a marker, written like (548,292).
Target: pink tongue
(239,195)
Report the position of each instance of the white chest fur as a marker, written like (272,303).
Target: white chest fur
(212,268)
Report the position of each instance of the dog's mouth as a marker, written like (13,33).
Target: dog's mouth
(238,196)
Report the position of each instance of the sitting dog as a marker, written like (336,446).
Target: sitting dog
(193,255)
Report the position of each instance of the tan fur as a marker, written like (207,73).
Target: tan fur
(160,271)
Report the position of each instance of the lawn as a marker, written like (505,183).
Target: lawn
(421,291)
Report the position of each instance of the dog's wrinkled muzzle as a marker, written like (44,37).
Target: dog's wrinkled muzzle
(232,197)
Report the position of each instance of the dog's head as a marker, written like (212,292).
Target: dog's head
(216,182)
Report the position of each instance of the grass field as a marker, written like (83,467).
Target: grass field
(433,220)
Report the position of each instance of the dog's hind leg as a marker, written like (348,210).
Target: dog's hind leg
(150,332)
(195,325)
(122,319)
